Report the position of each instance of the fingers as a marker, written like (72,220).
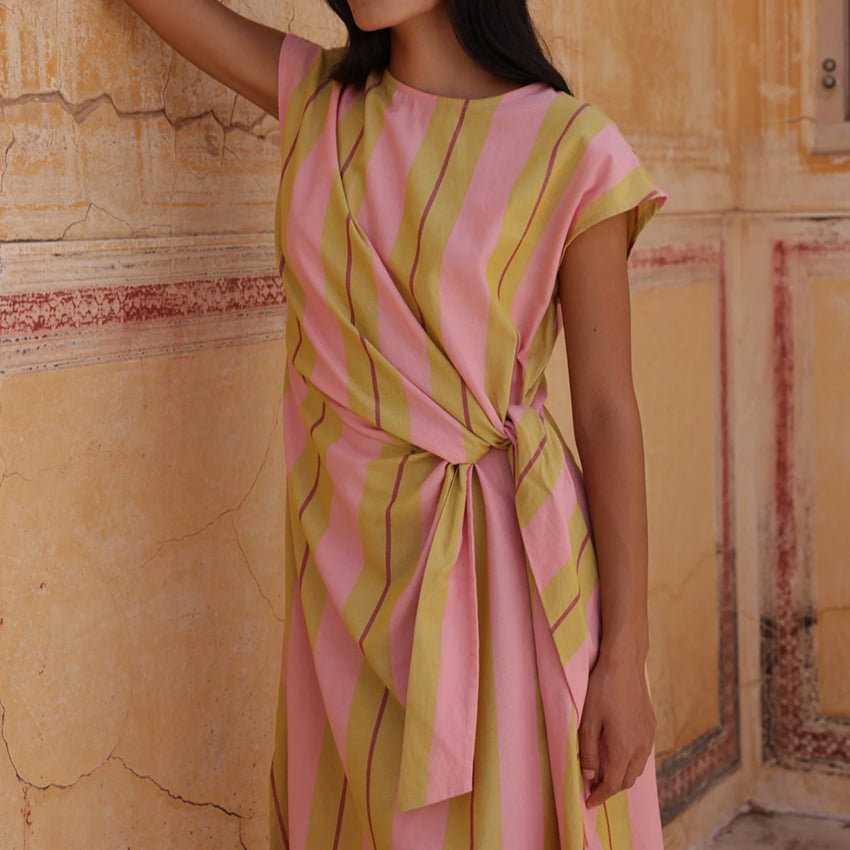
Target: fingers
(620,772)
(588,744)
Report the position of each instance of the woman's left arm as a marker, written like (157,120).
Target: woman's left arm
(617,729)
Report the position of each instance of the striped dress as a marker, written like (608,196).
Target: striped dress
(442,605)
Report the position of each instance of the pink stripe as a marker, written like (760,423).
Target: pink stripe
(339,552)
(546,179)
(514,663)
(606,162)
(338,665)
(295,427)
(298,134)
(297,56)
(465,309)
(556,705)
(644,810)
(546,534)
(428,206)
(306,726)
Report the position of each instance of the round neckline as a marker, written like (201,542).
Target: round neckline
(413,93)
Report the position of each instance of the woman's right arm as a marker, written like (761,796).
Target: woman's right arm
(238,52)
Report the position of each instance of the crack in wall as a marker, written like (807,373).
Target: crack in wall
(82,111)
(5,740)
(170,793)
(85,218)
(253,574)
(213,521)
(6,151)
(28,785)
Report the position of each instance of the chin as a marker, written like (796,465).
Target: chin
(371,15)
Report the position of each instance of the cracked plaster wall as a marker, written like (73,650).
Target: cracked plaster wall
(141,497)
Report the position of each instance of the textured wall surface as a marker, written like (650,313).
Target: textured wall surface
(141,374)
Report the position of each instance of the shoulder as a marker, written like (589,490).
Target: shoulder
(302,57)
(583,128)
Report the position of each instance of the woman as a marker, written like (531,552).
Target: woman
(445,207)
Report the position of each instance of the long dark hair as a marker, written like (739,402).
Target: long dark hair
(498,34)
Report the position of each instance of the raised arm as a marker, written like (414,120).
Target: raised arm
(238,52)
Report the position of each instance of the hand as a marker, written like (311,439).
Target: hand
(617,728)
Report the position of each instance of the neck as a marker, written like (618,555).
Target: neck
(426,55)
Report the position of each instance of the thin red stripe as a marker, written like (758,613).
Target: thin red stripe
(464,391)
(578,595)
(339,815)
(300,125)
(540,195)
(369,765)
(608,825)
(472,811)
(372,369)
(309,496)
(303,566)
(359,137)
(567,611)
(428,207)
(351,154)
(581,549)
(532,460)
(283,831)
(388,566)
(300,340)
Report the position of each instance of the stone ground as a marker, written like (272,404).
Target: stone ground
(781,831)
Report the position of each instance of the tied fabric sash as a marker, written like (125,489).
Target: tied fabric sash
(442,697)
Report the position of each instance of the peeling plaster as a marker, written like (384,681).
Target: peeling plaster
(85,194)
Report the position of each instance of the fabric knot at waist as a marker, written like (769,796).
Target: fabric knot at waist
(441,707)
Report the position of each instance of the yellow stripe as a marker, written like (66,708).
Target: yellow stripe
(627,194)
(425,666)
(324,805)
(365,708)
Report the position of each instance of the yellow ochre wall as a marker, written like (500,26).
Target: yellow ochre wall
(141,375)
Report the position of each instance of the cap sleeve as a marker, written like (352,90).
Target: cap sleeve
(608,180)
(303,68)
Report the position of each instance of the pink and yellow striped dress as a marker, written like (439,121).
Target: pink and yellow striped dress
(442,607)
